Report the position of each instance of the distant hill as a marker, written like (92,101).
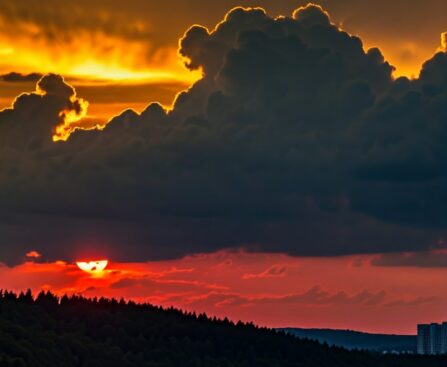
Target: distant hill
(77,332)
(357,340)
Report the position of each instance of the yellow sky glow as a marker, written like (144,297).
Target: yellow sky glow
(94,57)
(136,71)
(100,71)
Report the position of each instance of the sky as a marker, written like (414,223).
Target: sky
(282,164)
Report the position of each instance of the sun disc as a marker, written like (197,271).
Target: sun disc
(94,267)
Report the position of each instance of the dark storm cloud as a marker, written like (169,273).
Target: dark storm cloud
(295,140)
(29,125)
(14,77)
(423,259)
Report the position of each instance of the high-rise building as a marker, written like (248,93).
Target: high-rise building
(444,338)
(435,338)
(424,345)
(432,338)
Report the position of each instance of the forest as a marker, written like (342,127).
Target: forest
(46,330)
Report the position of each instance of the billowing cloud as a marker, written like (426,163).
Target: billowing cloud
(38,118)
(295,140)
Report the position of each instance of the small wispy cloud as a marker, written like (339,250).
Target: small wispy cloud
(273,271)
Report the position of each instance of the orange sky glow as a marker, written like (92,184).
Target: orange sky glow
(271,289)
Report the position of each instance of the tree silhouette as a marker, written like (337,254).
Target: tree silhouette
(46,330)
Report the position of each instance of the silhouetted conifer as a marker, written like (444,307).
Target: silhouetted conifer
(76,331)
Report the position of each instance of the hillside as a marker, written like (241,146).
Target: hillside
(75,331)
(357,340)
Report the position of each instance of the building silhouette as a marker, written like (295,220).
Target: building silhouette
(432,338)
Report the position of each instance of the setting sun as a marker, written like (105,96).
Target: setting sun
(93,267)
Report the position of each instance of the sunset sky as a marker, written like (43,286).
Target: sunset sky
(284,164)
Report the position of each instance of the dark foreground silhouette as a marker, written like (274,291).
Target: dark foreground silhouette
(75,331)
